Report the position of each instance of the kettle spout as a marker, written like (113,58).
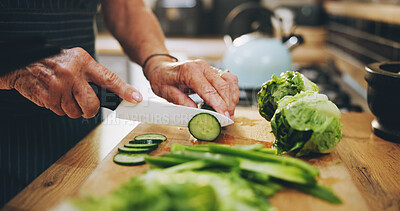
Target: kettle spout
(293,41)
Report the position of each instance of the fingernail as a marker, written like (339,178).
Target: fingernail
(137,96)
(227,115)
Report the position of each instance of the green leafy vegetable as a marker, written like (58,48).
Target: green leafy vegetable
(188,190)
(211,177)
(288,84)
(319,191)
(259,156)
(306,123)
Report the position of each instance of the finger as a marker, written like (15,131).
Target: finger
(185,89)
(176,96)
(208,93)
(70,106)
(234,91)
(86,99)
(103,77)
(52,99)
(222,87)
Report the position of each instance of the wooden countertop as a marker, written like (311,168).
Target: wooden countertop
(363,170)
(374,11)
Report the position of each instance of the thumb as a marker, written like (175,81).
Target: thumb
(103,77)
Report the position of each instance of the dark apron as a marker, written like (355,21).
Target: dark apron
(32,138)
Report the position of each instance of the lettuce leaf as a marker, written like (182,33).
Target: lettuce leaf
(306,123)
(289,83)
(188,190)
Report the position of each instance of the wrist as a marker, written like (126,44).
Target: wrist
(155,60)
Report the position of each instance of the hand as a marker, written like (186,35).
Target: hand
(171,80)
(60,83)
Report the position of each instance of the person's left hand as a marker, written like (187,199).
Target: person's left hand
(171,80)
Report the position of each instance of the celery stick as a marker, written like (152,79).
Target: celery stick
(287,173)
(318,191)
(211,157)
(164,162)
(192,165)
(266,157)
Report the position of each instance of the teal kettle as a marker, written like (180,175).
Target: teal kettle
(254,57)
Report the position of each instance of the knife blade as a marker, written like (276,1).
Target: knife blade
(153,111)
(164,113)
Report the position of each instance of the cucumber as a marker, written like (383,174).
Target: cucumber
(130,159)
(145,142)
(141,145)
(134,150)
(204,127)
(154,137)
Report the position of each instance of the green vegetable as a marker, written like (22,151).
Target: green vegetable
(156,141)
(306,123)
(153,137)
(130,159)
(153,146)
(253,147)
(134,150)
(165,162)
(317,191)
(198,191)
(289,84)
(259,156)
(287,173)
(215,158)
(204,127)
(211,177)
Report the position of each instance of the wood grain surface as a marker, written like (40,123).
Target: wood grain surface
(363,170)
(386,13)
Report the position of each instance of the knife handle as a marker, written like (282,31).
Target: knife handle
(107,98)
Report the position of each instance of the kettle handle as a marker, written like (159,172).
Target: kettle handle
(292,41)
(235,12)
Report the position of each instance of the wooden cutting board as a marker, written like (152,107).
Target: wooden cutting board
(354,170)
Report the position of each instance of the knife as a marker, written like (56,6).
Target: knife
(153,111)
(164,113)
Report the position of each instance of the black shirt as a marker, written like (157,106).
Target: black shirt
(32,137)
(65,23)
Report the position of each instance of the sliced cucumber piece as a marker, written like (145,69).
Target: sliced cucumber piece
(145,141)
(130,159)
(150,136)
(141,146)
(134,150)
(204,127)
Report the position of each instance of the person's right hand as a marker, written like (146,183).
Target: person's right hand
(60,83)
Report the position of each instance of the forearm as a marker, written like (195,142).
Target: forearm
(135,27)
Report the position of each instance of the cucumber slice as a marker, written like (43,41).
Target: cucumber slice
(145,142)
(150,136)
(204,127)
(134,150)
(141,146)
(130,159)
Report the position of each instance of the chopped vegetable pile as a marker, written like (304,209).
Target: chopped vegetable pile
(212,177)
(303,121)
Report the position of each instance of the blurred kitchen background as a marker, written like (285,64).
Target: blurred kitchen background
(339,39)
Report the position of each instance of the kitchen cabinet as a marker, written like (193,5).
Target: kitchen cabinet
(363,169)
